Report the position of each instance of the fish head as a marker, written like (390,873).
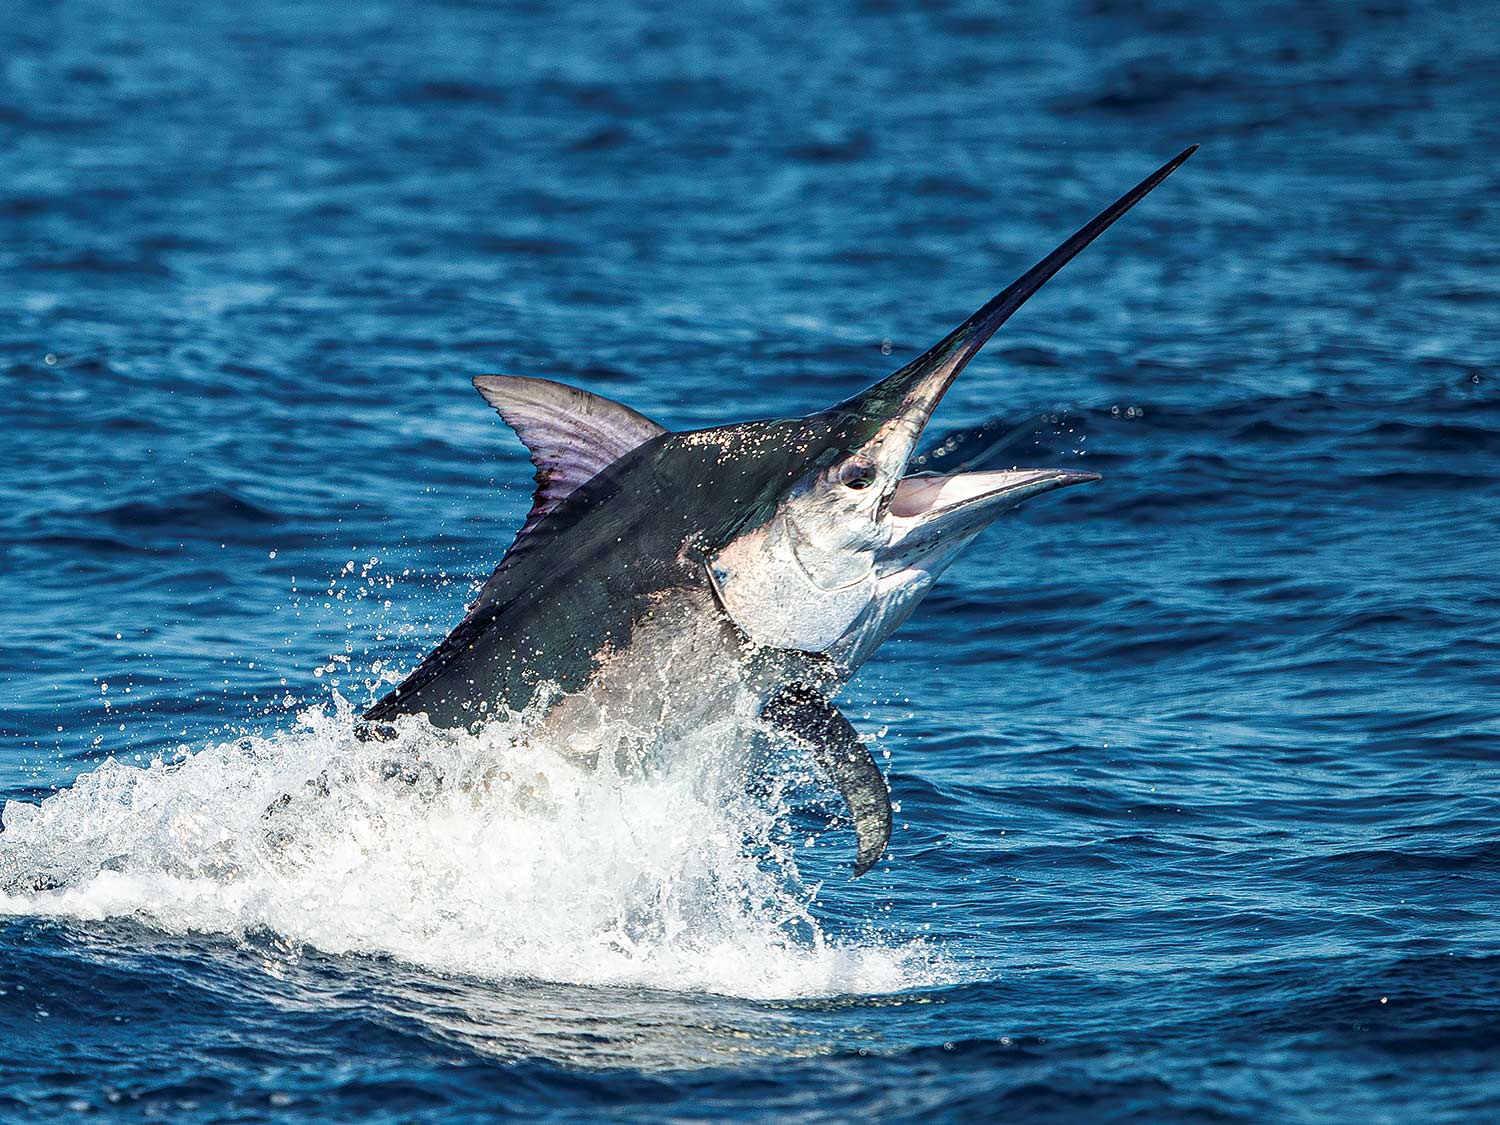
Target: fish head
(852,539)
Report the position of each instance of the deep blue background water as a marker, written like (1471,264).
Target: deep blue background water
(1197,767)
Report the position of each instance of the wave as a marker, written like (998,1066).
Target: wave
(207,509)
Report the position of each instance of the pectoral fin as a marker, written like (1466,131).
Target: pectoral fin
(811,721)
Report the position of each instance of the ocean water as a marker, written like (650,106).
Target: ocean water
(1198,768)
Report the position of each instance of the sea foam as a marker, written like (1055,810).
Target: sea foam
(489,855)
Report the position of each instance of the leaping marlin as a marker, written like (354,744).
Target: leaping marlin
(664,579)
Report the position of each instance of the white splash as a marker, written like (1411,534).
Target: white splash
(481,855)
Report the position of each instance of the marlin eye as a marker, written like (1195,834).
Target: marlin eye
(856,474)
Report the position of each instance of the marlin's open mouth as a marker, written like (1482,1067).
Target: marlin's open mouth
(932,516)
(927,496)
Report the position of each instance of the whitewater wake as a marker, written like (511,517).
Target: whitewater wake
(486,855)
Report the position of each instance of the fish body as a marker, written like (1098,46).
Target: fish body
(666,580)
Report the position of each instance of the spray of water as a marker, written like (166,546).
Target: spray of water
(491,855)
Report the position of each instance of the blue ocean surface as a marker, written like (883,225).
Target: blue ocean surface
(1197,768)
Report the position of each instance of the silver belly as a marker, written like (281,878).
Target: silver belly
(687,678)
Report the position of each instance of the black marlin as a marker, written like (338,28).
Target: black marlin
(662,579)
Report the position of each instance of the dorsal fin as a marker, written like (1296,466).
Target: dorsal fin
(572,435)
